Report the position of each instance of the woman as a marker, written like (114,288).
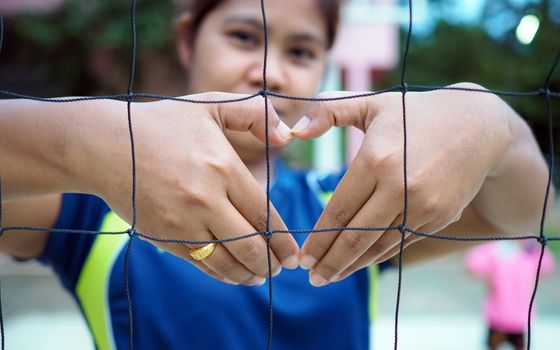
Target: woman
(508,269)
(199,183)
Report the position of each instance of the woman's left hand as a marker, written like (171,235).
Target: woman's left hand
(455,140)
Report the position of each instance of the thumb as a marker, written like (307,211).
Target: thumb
(250,115)
(336,109)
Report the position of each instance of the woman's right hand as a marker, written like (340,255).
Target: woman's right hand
(190,183)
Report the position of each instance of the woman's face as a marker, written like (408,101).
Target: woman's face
(227,53)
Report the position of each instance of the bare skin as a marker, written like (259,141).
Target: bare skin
(480,181)
(228,59)
(206,178)
(462,159)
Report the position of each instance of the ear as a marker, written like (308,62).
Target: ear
(183,40)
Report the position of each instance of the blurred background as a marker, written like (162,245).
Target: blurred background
(73,48)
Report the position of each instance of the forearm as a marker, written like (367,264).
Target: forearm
(45,146)
(512,196)
(470,225)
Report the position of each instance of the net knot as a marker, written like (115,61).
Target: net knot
(401,228)
(264,92)
(404,88)
(544,92)
(131,232)
(1,231)
(129,97)
(542,240)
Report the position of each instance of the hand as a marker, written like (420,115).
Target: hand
(455,140)
(191,185)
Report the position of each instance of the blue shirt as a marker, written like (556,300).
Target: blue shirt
(176,306)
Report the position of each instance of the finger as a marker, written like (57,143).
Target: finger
(387,247)
(220,262)
(411,238)
(250,201)
(209,272)
(177,248)
(353,191)
(249,115)
(378,212)
(323,115)
(370,257)
(250,251)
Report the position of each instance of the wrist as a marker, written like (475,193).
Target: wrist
(100,140)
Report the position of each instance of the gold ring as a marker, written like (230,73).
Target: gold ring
(202,253)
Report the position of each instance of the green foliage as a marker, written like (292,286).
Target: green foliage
(456,53)
(49,54)
(101,23)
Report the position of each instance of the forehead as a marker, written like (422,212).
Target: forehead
(282,16)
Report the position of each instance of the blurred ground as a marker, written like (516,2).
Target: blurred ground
(440,309)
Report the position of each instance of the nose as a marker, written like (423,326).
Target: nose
(276,74)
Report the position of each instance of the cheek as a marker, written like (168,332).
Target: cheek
(216,68)
(210,74)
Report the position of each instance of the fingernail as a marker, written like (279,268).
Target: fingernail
(336,278)
(228,281)
(277,272)
(301,124)
(291,262)
(317,280)
(307,262)
(256,281)
(284,130)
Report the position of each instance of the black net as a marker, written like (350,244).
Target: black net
(545,93)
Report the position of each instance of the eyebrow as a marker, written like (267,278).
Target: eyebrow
(258,25)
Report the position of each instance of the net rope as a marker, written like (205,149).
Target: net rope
(402,229)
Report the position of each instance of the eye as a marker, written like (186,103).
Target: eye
(302,54)
(243,38)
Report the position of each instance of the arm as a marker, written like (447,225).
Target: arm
(34,141)
(187,173)
(39,211)
(472,163)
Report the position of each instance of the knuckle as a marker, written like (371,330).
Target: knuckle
(251,251)
(390,161)
(225,267)
(353,241)
(261,221)
(327,269)
(431,205)
(417,183)
(370,159)
(317,246)
(282,247)
(376,249)
(339,214)
(195,196)
(168,220)
(222,166)
(468,85)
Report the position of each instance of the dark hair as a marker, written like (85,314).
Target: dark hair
(199,9)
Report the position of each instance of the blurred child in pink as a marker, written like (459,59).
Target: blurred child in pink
(509,269)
